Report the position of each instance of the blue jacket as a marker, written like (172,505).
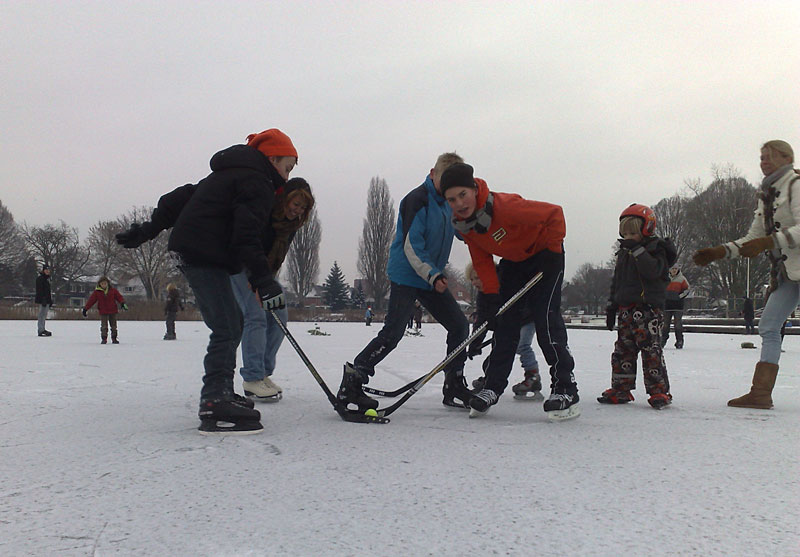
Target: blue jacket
(421,245)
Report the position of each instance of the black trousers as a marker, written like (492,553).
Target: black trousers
(542,305)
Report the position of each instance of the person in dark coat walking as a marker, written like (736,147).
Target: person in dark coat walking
(749,315)
(44,298)
(218,227)
(171,307)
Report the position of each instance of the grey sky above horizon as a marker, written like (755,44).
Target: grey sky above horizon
(590,105)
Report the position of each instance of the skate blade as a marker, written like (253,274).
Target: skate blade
(453,404)
(273,398)
(477,413)
(530,395)
(567,414)
(218,427)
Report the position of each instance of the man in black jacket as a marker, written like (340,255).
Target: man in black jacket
(44,298)
(217,229)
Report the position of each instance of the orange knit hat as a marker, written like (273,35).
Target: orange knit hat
(273,143)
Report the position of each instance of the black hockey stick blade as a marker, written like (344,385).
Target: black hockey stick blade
(458,349)
(345,413)
(407,386)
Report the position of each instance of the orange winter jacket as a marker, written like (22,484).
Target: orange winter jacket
(520,228)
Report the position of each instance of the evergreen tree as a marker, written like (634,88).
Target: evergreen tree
(335,287)
(357,298)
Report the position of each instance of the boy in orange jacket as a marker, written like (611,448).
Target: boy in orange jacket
(528,236)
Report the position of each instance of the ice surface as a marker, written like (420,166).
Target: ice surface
(100,455)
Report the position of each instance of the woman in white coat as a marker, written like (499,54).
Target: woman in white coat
(775,229)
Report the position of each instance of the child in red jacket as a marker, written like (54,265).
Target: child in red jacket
(107,298)
(528,236)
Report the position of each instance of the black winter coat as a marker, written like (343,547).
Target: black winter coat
(641,274)
(43,295)
(221,221)
(173,303)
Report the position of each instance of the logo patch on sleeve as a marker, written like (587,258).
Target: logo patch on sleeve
(499,234)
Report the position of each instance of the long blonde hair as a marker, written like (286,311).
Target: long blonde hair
(780,147)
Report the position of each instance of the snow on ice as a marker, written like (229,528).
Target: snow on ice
(100,455)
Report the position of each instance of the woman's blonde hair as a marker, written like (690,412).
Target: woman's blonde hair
(630,225)
(306,197)
(780,147)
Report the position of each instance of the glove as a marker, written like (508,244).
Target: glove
(611,316)
(629,245)
(756,246)
(705,256)
(271,294)
(83,311)
(135,236)
(476,346)
(125,307)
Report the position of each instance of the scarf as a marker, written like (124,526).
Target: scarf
(480,221)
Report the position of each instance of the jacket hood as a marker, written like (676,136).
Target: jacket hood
(483,192)
(244,156)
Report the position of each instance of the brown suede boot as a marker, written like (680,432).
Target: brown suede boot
(760,395)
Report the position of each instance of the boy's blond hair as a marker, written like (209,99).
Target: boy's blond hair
(630,225)
(445,161)
(780,147)
(469,272)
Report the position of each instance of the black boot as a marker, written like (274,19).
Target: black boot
(103,340)
(114,339)
(351,390)
(455,387)
(226,415)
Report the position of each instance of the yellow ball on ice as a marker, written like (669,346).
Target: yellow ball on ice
(371,412)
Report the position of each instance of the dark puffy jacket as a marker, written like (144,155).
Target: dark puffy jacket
(222,221)
(43,295)
(173,303)
(642,278)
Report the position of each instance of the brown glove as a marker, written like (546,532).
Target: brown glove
(756,246)
(705,256)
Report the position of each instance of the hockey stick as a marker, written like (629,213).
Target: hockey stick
(407,386)
(346,414)
(383,412)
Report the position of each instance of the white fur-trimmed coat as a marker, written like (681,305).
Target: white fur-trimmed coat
(787,222)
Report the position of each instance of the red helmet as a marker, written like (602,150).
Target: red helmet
(643,212)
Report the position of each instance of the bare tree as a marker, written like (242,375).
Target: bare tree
(106,253)
(150,262)
(302,260)
(60,248)
(12,253)
(672,224)
(376,239)
(590,287)
(718,214)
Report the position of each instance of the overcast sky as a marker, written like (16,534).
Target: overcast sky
(590,105)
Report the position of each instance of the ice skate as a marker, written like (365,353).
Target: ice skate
(660,400)
(45,333)
(351,390)
(263,390)
(562,406)
(615,396)
(530,388)
(455,388)
(227,416)
(480,403)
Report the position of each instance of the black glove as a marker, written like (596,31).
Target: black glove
(270,293)
(491,305)
(629,245)
(135,236)
(611,316)
(83,311)
(476,346)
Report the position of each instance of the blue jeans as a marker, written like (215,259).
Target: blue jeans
(214,296)
(41,317)
(443,307)
(261,337)
(527,357)
(780,305)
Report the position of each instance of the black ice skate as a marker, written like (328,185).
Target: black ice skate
(351,390)
(227,416)
(45,333)
(530,388)
(660,400)
(480,403)
(455,387)
(562,406)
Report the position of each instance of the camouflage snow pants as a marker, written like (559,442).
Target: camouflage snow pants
(639,330)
